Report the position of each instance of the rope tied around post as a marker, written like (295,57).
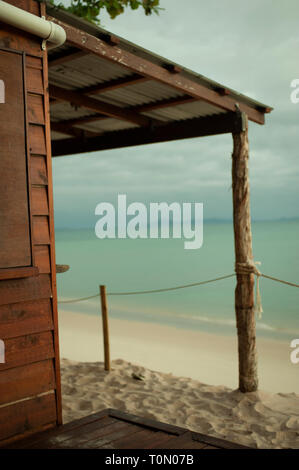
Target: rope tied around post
(250,267)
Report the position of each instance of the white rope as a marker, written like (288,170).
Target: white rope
(148,291)
(280,280)
(240,268)
(73,301)
(171,288)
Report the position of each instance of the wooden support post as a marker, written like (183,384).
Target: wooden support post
(244,293)
(105,327)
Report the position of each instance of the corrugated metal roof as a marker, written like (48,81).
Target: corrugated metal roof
(86,71)
(185,111)
(89,70)
(140,93)
(96,31)
(61,111)
(105,125)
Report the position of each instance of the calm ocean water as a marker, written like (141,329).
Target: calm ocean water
(126,265)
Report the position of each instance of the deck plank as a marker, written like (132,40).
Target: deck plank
(75,437)
(113,429)
(108,441)
(184,441)
(137,441)
(32,440)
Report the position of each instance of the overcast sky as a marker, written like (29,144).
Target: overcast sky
(249,46)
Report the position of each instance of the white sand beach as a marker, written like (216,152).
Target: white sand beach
(176,365)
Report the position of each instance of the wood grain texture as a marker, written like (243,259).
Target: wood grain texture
(35,109)
(34,80)
(33,62)
(28,349)
(100,106)
(27,415)
(28,5)
(67,126)
(33,440)
(26,381)
(25,318)
(142,439)
(41,234)
(75,439)
(21,290)
(16,39)
(38,170)
(18,273)
(244,293)
(190,128)
(39,200)
(37,141)
(105,431)
(42,258)
(15,241)
(52,230)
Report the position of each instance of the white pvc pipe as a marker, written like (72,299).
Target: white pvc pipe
(33,24)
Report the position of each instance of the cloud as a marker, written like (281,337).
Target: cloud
(249,46)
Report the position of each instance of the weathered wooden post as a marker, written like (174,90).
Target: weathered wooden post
(105,327)
(244,293)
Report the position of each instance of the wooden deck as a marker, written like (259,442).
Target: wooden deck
(112,429)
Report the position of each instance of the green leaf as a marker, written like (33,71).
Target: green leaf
(90,10)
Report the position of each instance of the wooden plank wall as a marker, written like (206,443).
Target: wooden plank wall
(30,396)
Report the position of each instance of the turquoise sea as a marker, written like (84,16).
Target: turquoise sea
(143,264)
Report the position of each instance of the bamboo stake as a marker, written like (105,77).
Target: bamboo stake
(244,293)
(105,327)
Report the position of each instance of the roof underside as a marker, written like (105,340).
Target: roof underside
(107,93)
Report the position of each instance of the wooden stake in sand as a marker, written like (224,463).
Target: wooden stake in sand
(105,327)
(244,293)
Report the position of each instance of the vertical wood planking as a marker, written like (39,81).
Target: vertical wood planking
(42,258)
(51,226)
(38,170)
(39,200)
(28,307)
(41,233)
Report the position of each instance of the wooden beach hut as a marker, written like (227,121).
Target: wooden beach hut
(94,91)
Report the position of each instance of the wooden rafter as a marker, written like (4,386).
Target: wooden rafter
(65,57)
(166,103)
(99,106)
(137,64)
(82,120)
(112,85)
(197,127)
(70,130)
(67,126)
